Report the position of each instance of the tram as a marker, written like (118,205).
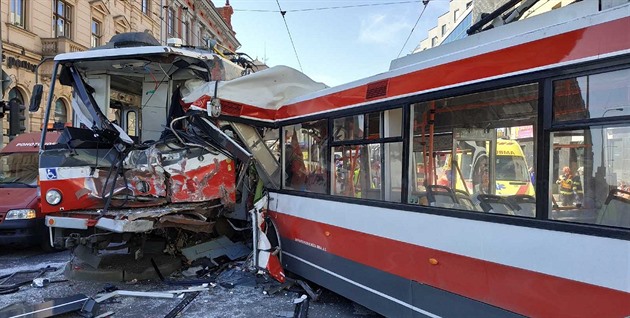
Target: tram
(371,221)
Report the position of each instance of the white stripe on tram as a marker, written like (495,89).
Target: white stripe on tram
(544,251)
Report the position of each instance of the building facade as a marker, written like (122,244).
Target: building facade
(34,31)
(461,15)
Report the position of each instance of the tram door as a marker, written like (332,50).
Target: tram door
(474,152)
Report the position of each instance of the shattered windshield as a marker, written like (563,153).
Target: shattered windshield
(19,170)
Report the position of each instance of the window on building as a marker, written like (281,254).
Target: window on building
(455,15)
(17,13)
(202,35)
(170,22)
(62,19)
(186,33)
(434,41)
(96,33)
(468,4)
(146,6)
(61,111)
(443,29)
(306,159)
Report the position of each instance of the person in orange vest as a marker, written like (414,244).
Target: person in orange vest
(566,187)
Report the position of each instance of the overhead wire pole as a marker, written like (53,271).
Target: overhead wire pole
(290,37)
(425,2)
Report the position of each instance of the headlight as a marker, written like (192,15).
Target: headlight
(21,214)
(53,197)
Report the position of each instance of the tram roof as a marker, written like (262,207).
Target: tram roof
(130,52)
(558,21)
(514,37)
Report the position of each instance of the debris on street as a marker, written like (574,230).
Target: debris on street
(46,309)
(11,283)
(221,246)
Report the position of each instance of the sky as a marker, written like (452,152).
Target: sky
(336,45)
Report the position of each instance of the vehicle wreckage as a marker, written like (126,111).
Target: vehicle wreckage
(155,152)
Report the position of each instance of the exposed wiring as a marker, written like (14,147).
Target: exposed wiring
(197,143)
(158,85)
(425,2)
(146,67)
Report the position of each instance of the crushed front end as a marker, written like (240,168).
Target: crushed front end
(139,163)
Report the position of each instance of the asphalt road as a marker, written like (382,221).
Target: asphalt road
(246,300)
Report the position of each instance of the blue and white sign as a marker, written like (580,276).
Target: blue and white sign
(51,173)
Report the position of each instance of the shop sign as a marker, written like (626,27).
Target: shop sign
(17,63)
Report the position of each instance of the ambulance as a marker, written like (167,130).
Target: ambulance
(511,173)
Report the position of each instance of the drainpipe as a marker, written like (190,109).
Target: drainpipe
(161,21)
(2,91)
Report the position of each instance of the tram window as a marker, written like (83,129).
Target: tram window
(592,96)
(370,126)
(371,168)
(358,171)
(476,146)
(589,183)
(306,156)
(349,128)
(393,168)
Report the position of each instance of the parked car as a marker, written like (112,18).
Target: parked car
(21,220)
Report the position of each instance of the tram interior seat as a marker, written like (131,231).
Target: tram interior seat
(441,196)
(523,205)
(495,204)
(465,201)
(419,198)
(616,210)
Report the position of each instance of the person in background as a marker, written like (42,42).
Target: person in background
(577,186)
(445,179)
(566,186)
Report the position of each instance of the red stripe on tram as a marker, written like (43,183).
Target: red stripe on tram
(592,41)
(523,291)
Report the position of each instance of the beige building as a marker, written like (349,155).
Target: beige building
(33,31)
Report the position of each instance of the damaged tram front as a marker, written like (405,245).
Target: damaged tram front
(139,162)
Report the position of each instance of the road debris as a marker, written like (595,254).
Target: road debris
(221,246)
(301,307)
(46,309)
(11,283)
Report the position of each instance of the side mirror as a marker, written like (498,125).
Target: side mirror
(36,98)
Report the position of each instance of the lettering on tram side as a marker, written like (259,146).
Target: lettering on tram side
(310,244)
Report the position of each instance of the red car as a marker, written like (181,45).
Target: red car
(21,220)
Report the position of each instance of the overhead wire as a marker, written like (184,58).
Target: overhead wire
(332,8)
(290,37)
(425,2)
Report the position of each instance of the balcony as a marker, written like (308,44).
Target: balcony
(54,46)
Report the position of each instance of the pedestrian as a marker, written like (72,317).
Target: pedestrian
(566,187)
